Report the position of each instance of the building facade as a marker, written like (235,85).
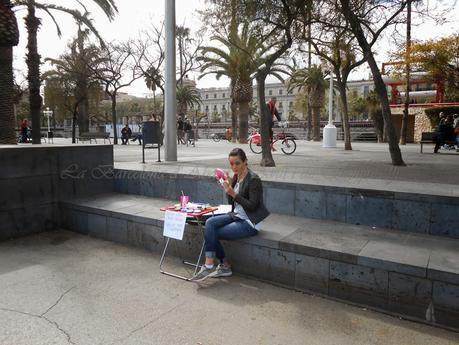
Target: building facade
(217,101)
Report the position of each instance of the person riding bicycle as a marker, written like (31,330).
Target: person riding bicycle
(273,113)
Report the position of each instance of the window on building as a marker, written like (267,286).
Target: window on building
(207,96)
(270,92)
(366,90)
(215,107)
(207,108)
(290,104)
(281,91)
(223,107)
(280,105)
(215,95)
(223,95)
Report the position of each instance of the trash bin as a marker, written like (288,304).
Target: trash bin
(151,137)
(151,132)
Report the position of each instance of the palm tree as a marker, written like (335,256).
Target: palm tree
(312,79)
(240,60)
(183,36)
(9,37)
(187,97)
(74,68)
(33,58)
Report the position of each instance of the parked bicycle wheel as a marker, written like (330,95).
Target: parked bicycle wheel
(255,146)
(288,146)
(215,137)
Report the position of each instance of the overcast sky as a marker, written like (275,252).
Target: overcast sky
(135,15)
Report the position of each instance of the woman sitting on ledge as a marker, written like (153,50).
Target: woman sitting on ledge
(245,194)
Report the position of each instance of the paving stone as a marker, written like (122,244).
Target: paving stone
(359,284)
(368,210)
(336,205)
(273,265)
(324,240)
(395,255)
(145,236)
(444,220)
(97,225)
(279,200)
(446,303)
(311,273)
(117,230)
(411,216)
(444,263)
(409,295)
(310,204)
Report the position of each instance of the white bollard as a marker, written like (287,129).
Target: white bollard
(330,133)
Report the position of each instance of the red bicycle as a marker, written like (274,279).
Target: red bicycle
(288,144)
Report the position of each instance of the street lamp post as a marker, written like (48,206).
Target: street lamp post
(48,113)
(170,106)
(330,129)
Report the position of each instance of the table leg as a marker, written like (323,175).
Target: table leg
(195,265)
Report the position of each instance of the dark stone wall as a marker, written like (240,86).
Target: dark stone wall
(34,179)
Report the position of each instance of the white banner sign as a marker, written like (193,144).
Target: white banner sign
(174,224)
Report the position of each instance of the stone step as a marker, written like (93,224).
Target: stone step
(385,206)
(413,275)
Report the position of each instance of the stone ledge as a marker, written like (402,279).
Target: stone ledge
(404,211)
(388,270)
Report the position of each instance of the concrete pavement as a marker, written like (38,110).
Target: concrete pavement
(64,288)
(368,166)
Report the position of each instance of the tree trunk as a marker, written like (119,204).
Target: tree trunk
(33,76)
(404,130)
(346,127)
(244,110)
(74,121)
(7,122)
(266,155)
(309,120)
(234,121)
(115,132)
(316,123)
(378,123)
(380,87)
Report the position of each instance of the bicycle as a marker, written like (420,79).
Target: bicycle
(288,143)
(219,136)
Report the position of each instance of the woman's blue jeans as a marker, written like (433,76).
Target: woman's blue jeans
(224,227)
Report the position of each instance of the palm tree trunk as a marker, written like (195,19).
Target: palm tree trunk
(244,110)
(266,155)
(346,127)
(316,123)
(33,76)
(7,122)
(234,121)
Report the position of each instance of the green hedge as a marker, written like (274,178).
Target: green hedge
(434,113)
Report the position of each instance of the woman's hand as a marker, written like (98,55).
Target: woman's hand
(228,189)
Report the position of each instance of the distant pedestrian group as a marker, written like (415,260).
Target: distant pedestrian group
(447,135)
(185,134)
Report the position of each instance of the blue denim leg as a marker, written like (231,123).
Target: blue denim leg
(234,231)
(212,244)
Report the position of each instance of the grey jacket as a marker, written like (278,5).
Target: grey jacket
(250,197)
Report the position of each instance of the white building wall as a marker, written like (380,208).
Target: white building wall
(219,97)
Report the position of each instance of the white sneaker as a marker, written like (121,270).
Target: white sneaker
(203,274)
(221,271)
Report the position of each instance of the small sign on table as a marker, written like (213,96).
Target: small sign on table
(174,224)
